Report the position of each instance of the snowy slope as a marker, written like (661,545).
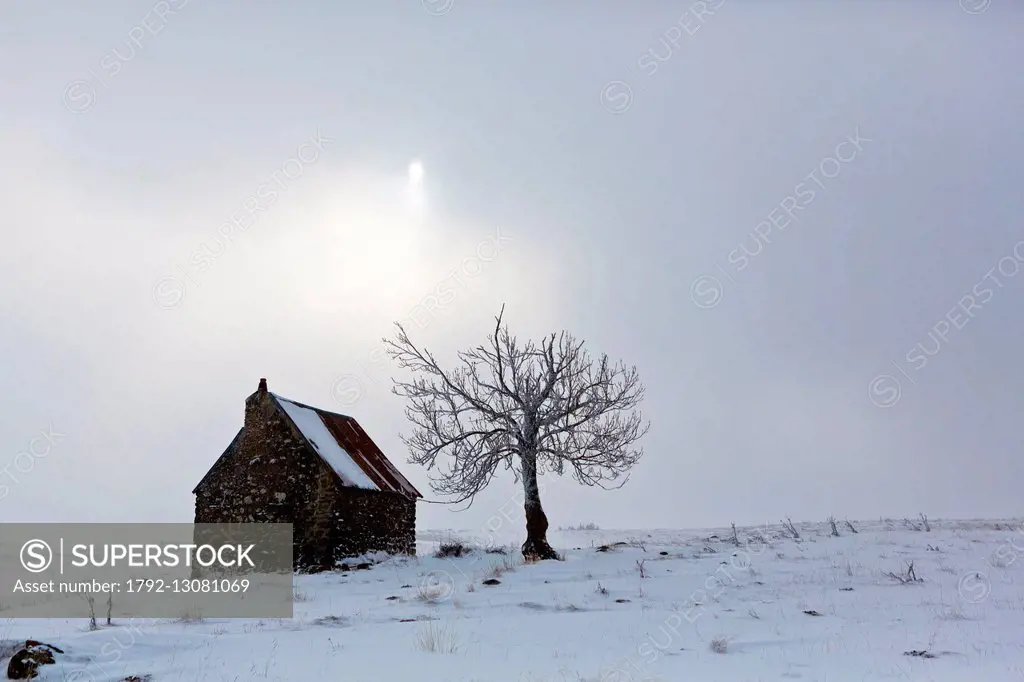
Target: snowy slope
(593,617)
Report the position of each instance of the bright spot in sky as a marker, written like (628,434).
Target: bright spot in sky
(415,189)
(415,174)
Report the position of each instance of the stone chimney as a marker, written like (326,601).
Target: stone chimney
(256,406)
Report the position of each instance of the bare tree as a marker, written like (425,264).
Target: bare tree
(544,406)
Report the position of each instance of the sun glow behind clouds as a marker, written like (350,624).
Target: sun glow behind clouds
(416,174)
(358,246)
(415,191)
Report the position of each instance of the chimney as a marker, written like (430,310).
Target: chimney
(254,407)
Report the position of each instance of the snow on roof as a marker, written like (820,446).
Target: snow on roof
(312,426)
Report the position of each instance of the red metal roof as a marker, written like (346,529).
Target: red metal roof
(358,445)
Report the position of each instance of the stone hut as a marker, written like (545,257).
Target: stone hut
(321,472)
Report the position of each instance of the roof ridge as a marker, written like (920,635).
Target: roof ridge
(312,407)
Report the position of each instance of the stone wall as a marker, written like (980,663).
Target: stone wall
(374,521)
(273,476)
(266,477)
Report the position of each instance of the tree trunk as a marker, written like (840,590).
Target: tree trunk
(536,545)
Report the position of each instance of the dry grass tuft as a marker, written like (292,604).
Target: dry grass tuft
(453,549)
(720,644)
(437,639)
(431,594)
(582,526)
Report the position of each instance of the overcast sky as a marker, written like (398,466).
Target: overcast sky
(765,206)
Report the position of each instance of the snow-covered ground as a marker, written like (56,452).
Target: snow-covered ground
(773,608)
